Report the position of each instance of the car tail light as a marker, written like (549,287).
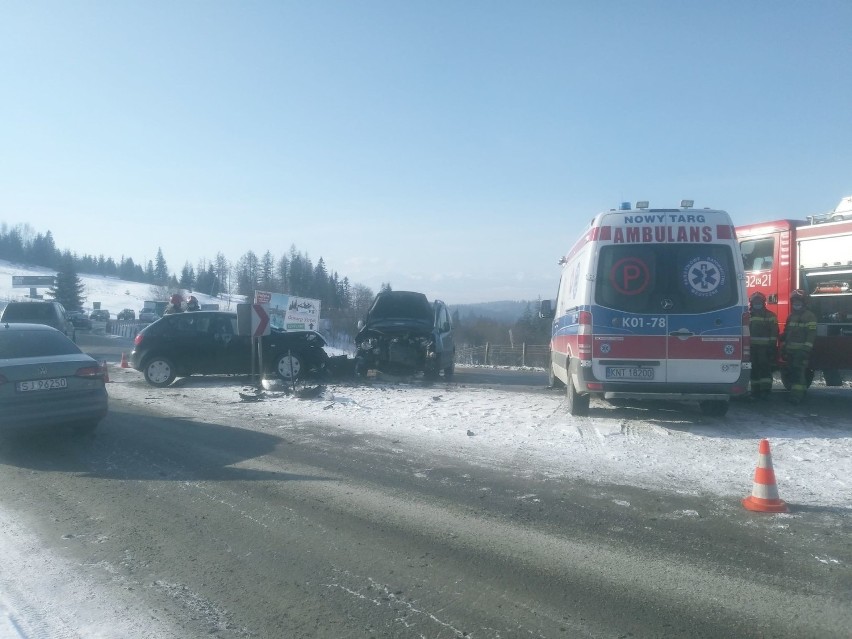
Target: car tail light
(90,372)
(584,336)
(746,338)
(138,339)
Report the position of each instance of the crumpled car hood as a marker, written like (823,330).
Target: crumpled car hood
(390,327)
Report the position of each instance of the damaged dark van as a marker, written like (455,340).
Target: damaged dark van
(405,334)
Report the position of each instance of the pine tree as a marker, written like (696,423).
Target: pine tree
(68,288)
(267,272)
(161,271)
(187,276)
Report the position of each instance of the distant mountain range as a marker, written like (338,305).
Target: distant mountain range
(505,311)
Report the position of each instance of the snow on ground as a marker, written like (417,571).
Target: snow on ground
(113,294)
(667,447)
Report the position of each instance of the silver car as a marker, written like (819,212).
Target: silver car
(46,380)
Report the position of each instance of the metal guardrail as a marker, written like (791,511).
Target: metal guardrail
(125,328)
(525,355)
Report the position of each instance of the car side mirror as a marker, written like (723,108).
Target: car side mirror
(545,310)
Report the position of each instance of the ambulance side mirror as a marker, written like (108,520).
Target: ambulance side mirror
(545,310)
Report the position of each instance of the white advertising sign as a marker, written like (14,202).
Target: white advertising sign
(288,312)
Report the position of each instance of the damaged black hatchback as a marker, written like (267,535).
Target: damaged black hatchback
(405,334)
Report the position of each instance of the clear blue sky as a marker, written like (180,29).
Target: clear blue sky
(452,147)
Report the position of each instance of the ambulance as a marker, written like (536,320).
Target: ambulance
(652,305)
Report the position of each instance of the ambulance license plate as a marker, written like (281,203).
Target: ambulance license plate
(625,372)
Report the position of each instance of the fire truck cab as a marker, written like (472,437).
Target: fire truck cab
(814,255)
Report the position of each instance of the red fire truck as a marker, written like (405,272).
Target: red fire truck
(814,255)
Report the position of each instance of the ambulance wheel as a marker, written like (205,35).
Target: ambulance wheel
(552,380)
(788,383)
(578,405)
(714,407)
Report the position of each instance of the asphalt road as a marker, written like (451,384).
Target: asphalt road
(235,530)
(240,532)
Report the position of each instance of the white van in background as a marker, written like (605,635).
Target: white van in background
(652,305)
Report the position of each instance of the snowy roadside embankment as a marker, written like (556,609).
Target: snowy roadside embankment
(665,447)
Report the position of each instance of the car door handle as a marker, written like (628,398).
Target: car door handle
(682,333)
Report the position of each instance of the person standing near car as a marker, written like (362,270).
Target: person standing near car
(797,343)
(192,304)
(763,327)
(175,305)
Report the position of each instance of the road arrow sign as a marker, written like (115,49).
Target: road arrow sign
(259,321)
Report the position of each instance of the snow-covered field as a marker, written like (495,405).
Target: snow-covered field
(113,294)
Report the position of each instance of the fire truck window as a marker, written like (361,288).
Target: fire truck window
(758,254)
(830,295)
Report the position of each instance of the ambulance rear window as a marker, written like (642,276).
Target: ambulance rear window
(674,278)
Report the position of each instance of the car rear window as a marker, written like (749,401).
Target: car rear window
(18,344)
(675,278)
(402,305)
(19,312)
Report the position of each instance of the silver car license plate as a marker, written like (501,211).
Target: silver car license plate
(629,372)
(43,384)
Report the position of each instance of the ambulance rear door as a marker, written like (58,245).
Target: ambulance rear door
(667,313)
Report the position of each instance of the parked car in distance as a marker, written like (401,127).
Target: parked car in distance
(404,334)
(46,380)
(148,315)
(206,343)
(80,319)
(100,315)
(47,313)
(126,314)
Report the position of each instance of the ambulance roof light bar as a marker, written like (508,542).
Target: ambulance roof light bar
(686,204)
(642,204)
(625,206)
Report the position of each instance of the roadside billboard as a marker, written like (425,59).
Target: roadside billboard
(288,312)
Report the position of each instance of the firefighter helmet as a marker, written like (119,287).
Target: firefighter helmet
(798,294)
(757,296)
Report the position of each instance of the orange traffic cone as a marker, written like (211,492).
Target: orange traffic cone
(764,496)
(124,363)
(106,371)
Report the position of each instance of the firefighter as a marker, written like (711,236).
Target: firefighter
(764,338)
(797,343)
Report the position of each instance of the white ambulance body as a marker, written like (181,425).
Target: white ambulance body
(652,305)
